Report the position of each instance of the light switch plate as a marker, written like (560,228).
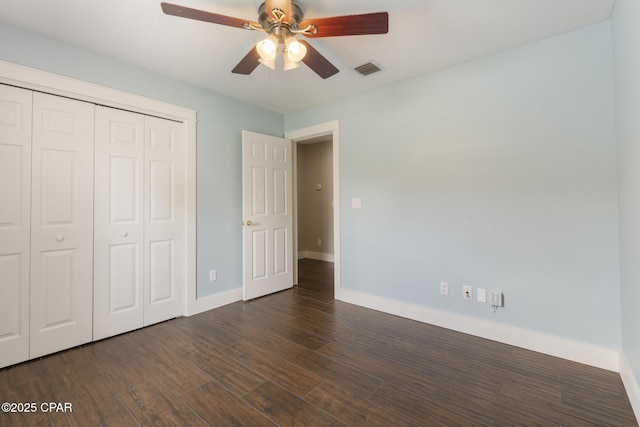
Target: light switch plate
(481,295)
(356,203)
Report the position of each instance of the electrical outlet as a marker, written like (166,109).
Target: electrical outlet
(496,298)
(467,292)
(444,288)
(213,276)
(319,242)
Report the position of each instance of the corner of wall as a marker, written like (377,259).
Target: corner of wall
(631,385)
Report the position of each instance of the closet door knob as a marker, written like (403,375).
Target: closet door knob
(124,234)
(59,238)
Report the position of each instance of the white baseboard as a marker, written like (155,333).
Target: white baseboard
(316,255)
(576,351)
(631,386)
(217,300)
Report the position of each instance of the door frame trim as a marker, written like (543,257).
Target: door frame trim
(55,84)
(298,135)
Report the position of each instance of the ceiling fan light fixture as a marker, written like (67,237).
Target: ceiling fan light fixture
(271,63)
(268,48)
(282,20)
(295,50)
(289,64)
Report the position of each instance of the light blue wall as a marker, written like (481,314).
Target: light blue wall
(626,41)
(220,122)
(497,173)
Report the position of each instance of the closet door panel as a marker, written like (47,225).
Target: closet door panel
(61,224)
(15,190)
(119,246)
(164,225)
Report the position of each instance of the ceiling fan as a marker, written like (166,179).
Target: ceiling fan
(282,20)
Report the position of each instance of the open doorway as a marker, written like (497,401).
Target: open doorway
(316,191)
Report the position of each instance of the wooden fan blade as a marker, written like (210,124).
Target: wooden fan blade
(318,63)
(201,15)
(248,63)
(349,25)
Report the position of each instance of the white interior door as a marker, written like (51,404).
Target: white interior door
(15,201)
(164,232)
(268,217)
(118,222)
(61,224)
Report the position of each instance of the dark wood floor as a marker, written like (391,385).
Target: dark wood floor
(301,358)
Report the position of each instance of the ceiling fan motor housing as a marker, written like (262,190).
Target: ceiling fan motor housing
(273,26)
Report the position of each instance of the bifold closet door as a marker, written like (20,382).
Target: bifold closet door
(164,229)
(15,225)
(61,308)
(118,219)
(139,221)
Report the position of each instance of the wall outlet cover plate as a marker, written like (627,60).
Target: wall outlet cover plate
(467,292)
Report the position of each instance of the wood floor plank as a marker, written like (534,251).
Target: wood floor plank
(32,392)
(417,408)
(217,406)
(292,333)
(287,409)
(485,411)
(278,370)
(176,372)
(565,371)
(319,305)
(203,332)
(530,388)
(72,367)
(391,374)
(247,331)
(596,405)
(153,339)
(320,326)
(226,370)
(352,410)
(95,405)
(13,377)
(299,357)
(154,405)
(552,411)
(347,377)
(121,365)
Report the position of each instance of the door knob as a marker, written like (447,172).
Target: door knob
(249,223)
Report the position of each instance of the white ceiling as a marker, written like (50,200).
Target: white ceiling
(424,35)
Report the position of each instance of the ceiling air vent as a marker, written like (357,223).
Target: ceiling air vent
(368,68)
